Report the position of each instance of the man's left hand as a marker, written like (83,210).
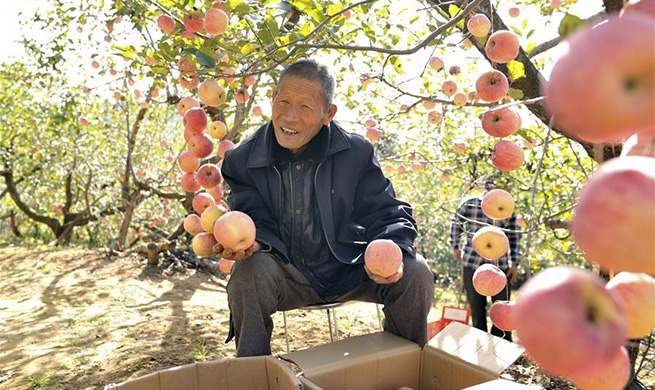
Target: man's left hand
(388,280)
(512,274)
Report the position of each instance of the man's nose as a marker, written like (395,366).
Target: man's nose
(291,113)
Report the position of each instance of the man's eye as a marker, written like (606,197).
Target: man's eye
(305,107)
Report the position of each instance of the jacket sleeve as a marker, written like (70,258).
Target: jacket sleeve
(245,197)
(379,211)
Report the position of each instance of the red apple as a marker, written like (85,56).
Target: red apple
(614,221)
(460,99)
(256,111)
(217,130)
(216,21)
(209,176)
(166,23)
(203,244)
(436,63)
(502,46)
(514,12)
(434,117)
(210,215)
(490,242)
(429,104)
(193,22)
(645,8)
(225,265)
(454,70)
(192,224)
(370,123)
(249,81)
(383,257)
(616,100)
(186,103)
(449,88)
(216,192)
(185,66)
(95,64)
(188,81)
(478,25)
(211,92)
(501,123)
(497,204)
(187,162)
(372,134)
(201,202)
(224,146)
(507,155)
(83,121)
(223,7)
(500,313)
(189,183)
(445,176)
(489,280)
(459,147)
(492,86)
(241,96)
(611,376)
(235,230)
(569,324)
(200,146)
(636,292)
(195,120)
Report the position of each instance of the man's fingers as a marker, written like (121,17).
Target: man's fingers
(239,255)
(228,254)
(217,249)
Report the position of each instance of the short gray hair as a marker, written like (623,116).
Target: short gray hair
(311,70)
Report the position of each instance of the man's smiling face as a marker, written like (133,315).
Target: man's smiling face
(299,112)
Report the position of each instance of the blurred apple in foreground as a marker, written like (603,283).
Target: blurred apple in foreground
(636,291)
(383,257)
(490,242)
(612,376)
(489,280)
(235,230)
(614,221)
(644,8)
(569,324)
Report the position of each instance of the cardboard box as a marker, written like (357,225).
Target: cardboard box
(448,315)
(252,373)
(457,358)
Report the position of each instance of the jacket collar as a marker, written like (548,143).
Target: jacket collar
(261,154)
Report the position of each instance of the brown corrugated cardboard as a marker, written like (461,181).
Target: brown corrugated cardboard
(457,358)
(501,384)
(262,372)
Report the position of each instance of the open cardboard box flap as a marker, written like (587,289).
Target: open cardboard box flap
(458,357)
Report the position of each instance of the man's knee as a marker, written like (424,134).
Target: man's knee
(417,274)
(261,270)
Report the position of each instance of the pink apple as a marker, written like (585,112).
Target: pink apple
(521,222)
(235,230)
(612,376)
(370,123)
(224,146)
(383,257)
(614,221)
(645,8)
(449,88)
(217,129)
(554,4)
(436,63)
(95,64)
(223,7)
(492,86)
(256,111)
(187,162)
(193,22)
(241,96)
(189,183)
(83,121)
(216,21)
(187,135)
(372,134)
(401,169)
(195,120)
(225,265)
(249,81)
(434,117)
(201,202)
(616,100)
(203,244)
(569,324)
(200,146)
(507,156)
(639,144)
(166,23)
(445,176)
(210,215)
(489,280)
(636,292)
(185,66)
(429,104)
(211,92)
(478,25)
(498,204)
(454,70)
(529,143)
(500,313)
(490,242)
(502,46)
(209,176)
(514,12)
(188,81)
(192,224)
(501,123)
(216,192)
(460,99)
(459,147)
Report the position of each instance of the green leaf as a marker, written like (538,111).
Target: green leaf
(530,47)
(238,6)
(516,70)
(282,5)
(516,94)
(414,18)
(397,64)
(204,59)
(569,24)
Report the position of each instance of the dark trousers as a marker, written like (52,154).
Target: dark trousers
(262,284)
(478,304)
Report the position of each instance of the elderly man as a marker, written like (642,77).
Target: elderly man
(317,196)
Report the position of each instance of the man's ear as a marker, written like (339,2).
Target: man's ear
(331,112)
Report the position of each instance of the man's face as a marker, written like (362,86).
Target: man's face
(299,112)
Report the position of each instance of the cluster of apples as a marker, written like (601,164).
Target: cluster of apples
(214,22)
(569,321)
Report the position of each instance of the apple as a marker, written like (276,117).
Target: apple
(113,72)
(500,313)
(473,96)
(636,292)
(365,78)
(203,244)
(249,81)
(80,29)
(211,92)
(188,81)
(192,224)
(185,66)
(187,162)
(489,280)
(436,63)
(372,134)
(209,176)
(502,46)
(459,147)
(186,103)
(454,70)
(514,12)
(614,221)
(189,35)
(193,22)
(478,25)
(95,64)
(529,143)
(201,202)
(404,109)
(497,204)
(107,38)
(166,23)
(256,111)
(501,123)
(223,7)
(445,176)
(225,265)
(616,100)
(241,96)
(521,222)
(388,168)
(216,21)
(639,144)
(83,121)
(195,120)
(467,44)
(612,376)
(117,95)
(460,99)
(644,8)
(507,155)
(200,146)
(554,4)
(449,88)
(568,323)
(187,135)
(210,215)
(492,86)
(434,117)
(416,166)
(224,146)
(235,231)
(228,71)
(346,14)
(383,257)
(429,104)
(189,183)
(217,129)
(490,242)
(401,169)
(216,192)
(370,123)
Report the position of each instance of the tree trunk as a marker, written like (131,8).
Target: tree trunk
(14,225)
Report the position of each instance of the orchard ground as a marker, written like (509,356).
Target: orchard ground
(79,319)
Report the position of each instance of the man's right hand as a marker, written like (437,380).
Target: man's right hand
(238,255)
(458,254)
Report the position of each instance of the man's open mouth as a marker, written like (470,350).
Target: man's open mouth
(289,131)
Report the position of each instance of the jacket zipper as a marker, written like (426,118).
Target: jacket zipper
(319,208)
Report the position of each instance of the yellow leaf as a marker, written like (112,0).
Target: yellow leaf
(516,70)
